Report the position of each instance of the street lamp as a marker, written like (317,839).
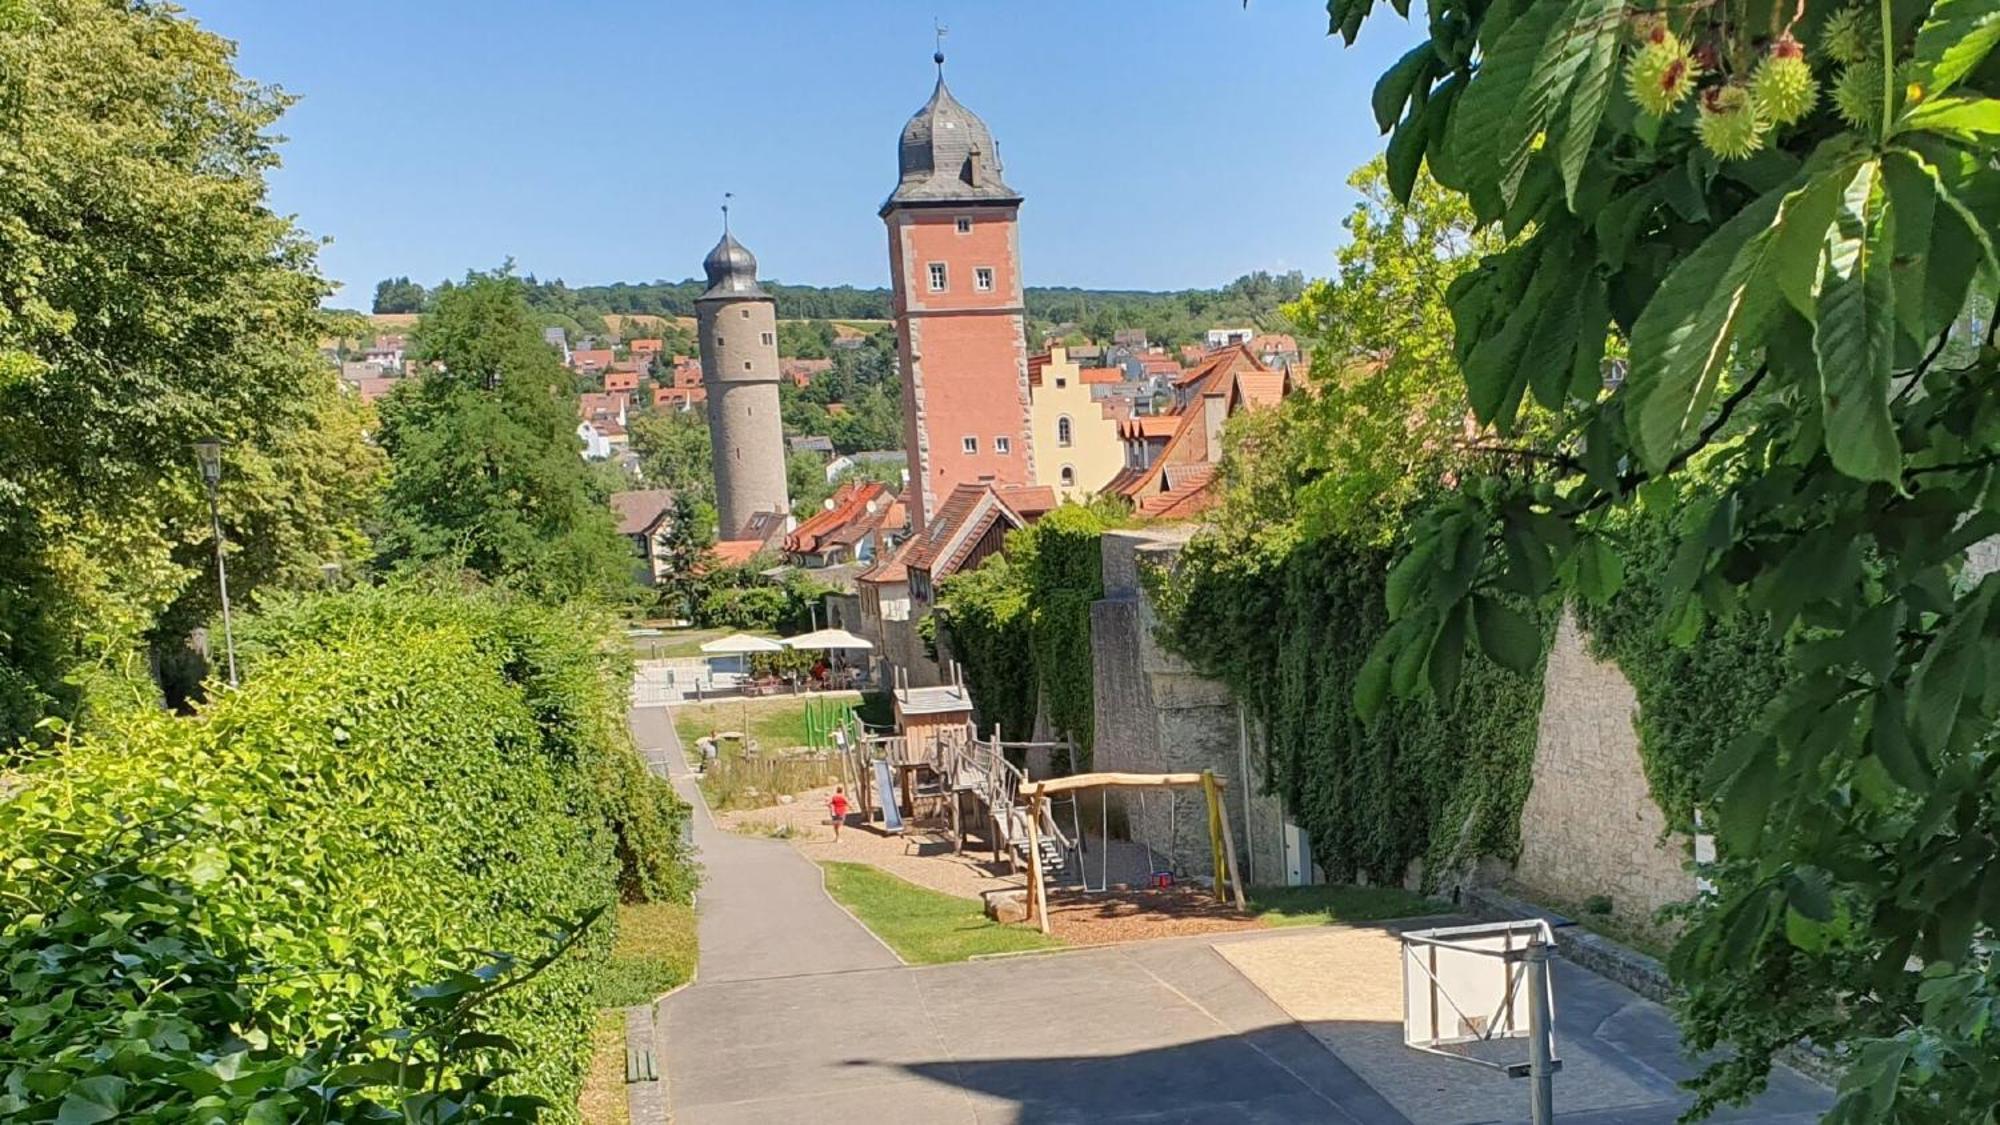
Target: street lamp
(208,452)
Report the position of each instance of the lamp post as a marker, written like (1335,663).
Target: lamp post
(208,452)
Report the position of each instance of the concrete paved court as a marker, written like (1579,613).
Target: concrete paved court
(799,1015)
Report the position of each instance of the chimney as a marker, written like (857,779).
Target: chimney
(1214,410)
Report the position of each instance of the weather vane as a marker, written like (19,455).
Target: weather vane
(726,197)
(942,31)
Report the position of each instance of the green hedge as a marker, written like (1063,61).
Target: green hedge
(404,782)
(1288,631)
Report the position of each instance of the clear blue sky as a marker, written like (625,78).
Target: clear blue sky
(1160,143)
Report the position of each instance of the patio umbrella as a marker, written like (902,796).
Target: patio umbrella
(736,644)
(827,639)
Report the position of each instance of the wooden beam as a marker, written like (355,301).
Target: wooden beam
(1076,781)
(1229,856)
(1214,796)
(1038,903)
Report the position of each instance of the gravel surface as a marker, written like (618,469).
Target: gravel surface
(923,855)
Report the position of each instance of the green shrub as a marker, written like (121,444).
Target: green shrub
(405,780)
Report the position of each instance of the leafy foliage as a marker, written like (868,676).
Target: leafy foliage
(1795,304)
(1288,629)
(1020,624)
(397,786)
(149,297)
(484,465)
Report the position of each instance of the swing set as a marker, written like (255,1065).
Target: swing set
(1222,845)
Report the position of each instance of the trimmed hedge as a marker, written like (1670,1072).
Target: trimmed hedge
(405,782)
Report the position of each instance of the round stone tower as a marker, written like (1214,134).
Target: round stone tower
(738,326)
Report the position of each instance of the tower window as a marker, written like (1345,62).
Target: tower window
(1062,430)
(746,365)
(937,277)
(971,444)
(1003,446)
(746,314)
(1069,476)
(982,279)
(965,224)
(769,339)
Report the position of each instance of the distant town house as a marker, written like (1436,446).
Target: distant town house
(621,380)
(853,525)
(645,517)
(803,371)
(1171,458)
(589,361)
(1077,449)
(1224,337)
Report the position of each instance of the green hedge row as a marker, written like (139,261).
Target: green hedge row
(406,782)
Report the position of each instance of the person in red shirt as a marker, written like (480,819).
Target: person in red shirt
(836,805)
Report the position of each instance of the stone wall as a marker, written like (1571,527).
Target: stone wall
(1155,715)
(1590,826)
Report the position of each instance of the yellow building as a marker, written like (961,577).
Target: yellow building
(1077,449)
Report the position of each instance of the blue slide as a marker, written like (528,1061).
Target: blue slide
(885,797)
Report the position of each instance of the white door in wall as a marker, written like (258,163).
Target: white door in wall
(1298,856)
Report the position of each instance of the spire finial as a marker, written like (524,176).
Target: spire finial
(726,197)
(938,57)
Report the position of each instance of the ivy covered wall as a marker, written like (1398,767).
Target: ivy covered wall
(1288,632)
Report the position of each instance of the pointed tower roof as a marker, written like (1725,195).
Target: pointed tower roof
(948,155)
(732,271)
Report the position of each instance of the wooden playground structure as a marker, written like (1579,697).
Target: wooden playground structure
(950,772)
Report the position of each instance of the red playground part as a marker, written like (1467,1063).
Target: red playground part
(1163,879)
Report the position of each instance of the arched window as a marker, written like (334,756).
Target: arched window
(1062,430)
(1069,476)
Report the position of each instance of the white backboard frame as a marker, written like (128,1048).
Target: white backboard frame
(1468,984)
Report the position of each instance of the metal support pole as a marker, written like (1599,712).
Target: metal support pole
(222,580)
(1541,1074)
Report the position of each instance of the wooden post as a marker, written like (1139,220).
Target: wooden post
(1229,856)
(1038,904)
(1214,831)
(957,822)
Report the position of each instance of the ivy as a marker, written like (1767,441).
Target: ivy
(1289,630)
(1020,625)
(1696,693)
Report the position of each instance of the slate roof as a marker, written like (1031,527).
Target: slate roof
(947,155)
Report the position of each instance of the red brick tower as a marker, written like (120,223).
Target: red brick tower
(961,324)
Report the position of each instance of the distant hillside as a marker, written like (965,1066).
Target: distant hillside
(1172,317)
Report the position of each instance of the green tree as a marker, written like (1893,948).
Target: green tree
(398,295)
(485,469)
(149,296)
(690,536)
(673,448)
(1789,243)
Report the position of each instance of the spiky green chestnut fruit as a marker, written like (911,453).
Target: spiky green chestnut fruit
(1729,125)
(1842,36)
(1783,85)
(1857,95)
(1661,74)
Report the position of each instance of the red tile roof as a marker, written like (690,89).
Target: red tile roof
(964,518)
(890,567)
(852,503)
(679,396)
(1029,501)
(1149,426)
(1189,494)
(590,357)
(1103,374)
(1274,343)
(646,345)
(736,552)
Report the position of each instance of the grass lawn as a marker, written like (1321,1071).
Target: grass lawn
(923,926)
(776,722)
(602,1101)
(1338,902)
(673,643)
(655,951)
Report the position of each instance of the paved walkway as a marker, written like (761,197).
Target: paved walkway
(799,1015)
(764,911)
